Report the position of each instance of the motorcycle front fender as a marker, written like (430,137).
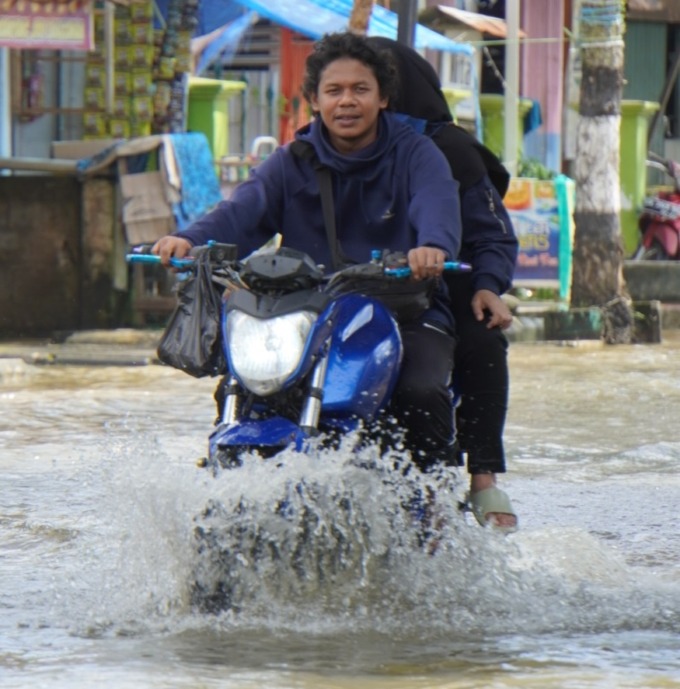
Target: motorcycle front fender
(271,432)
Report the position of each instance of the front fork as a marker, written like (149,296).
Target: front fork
(311,408)
(233,399)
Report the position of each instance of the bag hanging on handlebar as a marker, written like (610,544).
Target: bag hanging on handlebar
(192,339)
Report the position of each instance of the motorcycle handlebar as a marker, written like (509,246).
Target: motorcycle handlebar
(448,266)
(152,258)
(219,253)
(139,256)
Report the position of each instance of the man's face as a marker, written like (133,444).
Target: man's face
(348,101)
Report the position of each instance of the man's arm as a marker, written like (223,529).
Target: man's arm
(434,208)
(245,219)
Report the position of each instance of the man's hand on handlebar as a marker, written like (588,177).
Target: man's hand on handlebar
(426,262)
(169,247)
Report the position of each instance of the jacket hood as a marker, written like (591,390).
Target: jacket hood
(364,163)
(420,95)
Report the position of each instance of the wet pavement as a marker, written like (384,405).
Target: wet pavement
(123,346)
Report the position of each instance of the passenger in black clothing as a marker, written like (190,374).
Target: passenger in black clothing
(480,370)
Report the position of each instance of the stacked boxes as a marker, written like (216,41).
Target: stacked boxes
(150,71)
(134,55)
(171,65)
(95,124)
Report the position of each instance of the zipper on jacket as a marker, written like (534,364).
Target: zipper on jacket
(492,208)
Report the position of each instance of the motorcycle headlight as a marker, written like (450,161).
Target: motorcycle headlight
(264,352)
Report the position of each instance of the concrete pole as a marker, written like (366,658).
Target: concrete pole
(511,119)
(5,107)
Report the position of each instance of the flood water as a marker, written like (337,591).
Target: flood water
(99,493)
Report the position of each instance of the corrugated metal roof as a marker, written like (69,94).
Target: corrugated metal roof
(489,25)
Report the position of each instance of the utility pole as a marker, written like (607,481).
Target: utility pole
(408,18)
(597,266)
(511,98)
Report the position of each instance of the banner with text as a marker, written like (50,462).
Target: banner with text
(542,215)
(47,24)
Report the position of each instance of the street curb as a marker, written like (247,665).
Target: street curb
(137,347)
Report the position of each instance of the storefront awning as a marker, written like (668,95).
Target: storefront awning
(220,44)
(480,22)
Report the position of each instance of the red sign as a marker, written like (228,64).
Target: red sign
(46,24)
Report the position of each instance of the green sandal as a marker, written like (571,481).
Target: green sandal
(491,500)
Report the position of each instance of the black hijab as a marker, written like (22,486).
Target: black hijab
(420,93)
(420,96)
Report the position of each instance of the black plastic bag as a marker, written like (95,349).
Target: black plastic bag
(192,341)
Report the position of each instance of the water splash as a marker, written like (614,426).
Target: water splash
(339,542)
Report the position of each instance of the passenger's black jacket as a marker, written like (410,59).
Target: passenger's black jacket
(489,242)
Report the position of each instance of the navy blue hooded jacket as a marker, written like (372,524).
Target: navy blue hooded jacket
(397,193)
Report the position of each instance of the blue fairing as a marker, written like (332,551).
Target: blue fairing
(364,358)
(269,432)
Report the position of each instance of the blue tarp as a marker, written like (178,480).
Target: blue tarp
(384,22)
(304,16)
(314,18)
(224,46)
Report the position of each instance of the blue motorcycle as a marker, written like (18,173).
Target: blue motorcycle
(306,360)
(306,354)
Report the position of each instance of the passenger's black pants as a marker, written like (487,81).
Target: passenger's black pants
(422,401)
(481,379)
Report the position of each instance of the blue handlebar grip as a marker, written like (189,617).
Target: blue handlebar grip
(152,258)
(448,266)
(457,265)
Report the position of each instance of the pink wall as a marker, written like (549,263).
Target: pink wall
(542,70)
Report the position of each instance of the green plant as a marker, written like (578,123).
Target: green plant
(530,167)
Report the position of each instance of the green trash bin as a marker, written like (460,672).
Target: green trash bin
(208,110)
(635,118)
(453,97)
(492,106)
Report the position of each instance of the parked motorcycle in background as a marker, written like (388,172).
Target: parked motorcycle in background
(659,221)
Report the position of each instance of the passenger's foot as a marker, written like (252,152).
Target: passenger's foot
(490,505)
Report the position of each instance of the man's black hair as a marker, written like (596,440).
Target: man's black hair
(337,46)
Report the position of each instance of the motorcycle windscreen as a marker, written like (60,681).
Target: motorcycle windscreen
(363,360)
